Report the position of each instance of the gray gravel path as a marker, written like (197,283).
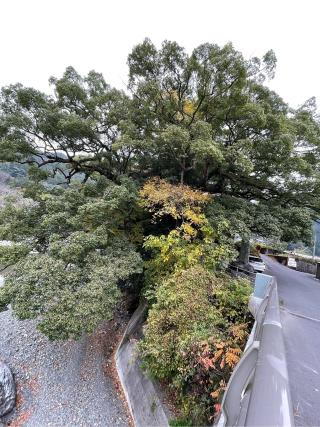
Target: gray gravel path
(60,383)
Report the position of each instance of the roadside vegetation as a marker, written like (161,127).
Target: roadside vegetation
(143,194)
(194,337)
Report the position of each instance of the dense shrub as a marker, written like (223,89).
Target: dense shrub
(194,337)
(188,239)
(230,298)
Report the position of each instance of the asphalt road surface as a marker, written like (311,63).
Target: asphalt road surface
(299,295)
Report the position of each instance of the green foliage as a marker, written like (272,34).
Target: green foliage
(73,250)
(191,306)
(180,422)
(231,299)
(11,254)
(237,139)
(182,309)
(263,218)
(246,163)
(205,119)
(194,317)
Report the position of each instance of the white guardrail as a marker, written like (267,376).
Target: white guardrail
(258,391)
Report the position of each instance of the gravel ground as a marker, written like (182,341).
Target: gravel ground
(61,383)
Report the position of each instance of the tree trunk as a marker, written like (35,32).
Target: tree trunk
(206,175)
(244,251)
(182,176)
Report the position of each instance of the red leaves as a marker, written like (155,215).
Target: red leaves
(206,362)
(217,407)
(216,359)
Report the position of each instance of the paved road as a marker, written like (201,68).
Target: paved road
(299,295)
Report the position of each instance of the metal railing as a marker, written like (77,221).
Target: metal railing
(242,272)
(258,391)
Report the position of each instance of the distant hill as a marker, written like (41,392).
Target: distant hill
(19,173)
(14,175)
(7,190)
(14,170)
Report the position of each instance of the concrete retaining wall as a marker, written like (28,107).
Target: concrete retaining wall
(143,399)
(306,267)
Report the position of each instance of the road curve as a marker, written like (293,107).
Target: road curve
(299,295)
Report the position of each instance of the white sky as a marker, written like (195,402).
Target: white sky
(41,38)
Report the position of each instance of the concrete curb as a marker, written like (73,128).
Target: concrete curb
(145,405)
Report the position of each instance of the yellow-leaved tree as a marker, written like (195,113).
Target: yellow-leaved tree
(190,239)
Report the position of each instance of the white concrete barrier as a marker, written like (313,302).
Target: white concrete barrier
(258,392)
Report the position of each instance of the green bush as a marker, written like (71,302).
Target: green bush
(182,311)
(194,336)
(230,298)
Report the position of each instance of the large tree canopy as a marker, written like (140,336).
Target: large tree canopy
(205,120)
(215,125)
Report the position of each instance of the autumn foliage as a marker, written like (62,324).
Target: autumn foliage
(179,201)
(188,238)
(188,341)
(197,326)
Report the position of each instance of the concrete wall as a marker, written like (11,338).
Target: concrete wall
(306,267)
(142,395)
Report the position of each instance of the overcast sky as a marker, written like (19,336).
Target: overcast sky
(40,38)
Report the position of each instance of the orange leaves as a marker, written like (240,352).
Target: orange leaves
(217,355)
(215,394)
(232,356)
(206,362)
(239,331)
(224,355)
(216,360)
(228,356)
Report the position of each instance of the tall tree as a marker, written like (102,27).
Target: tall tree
(206,120)
(217,126)
(78,126)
